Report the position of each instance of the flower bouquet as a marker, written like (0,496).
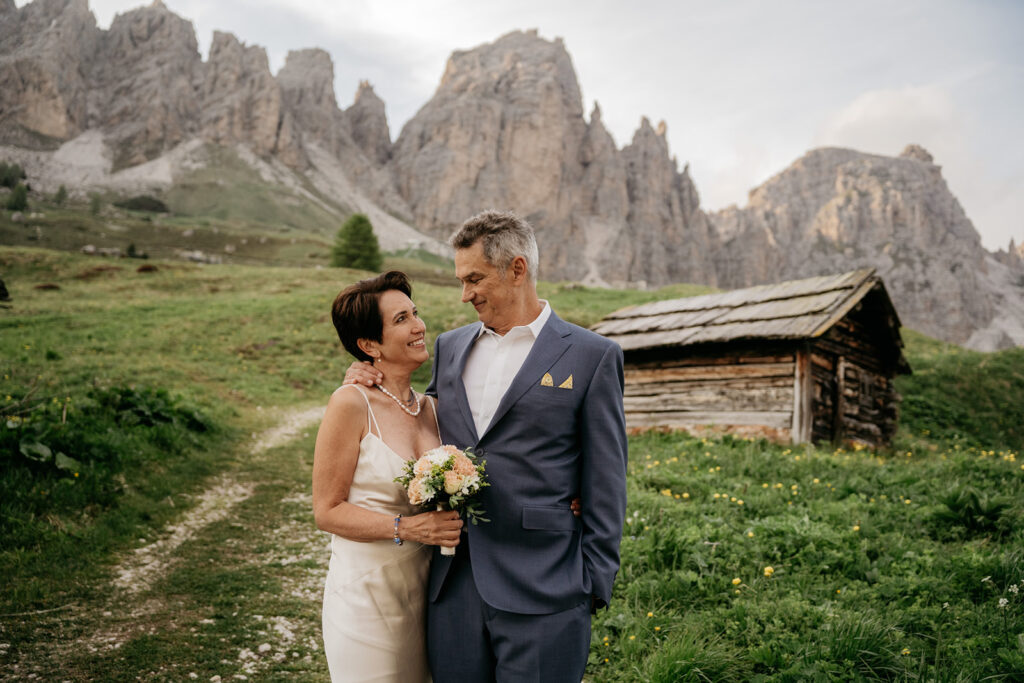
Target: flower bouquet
(447,478)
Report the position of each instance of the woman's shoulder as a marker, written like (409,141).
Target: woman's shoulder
(348,399)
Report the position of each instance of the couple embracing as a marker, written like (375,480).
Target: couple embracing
(541,400)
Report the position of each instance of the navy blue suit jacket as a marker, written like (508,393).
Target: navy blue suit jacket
(546,444)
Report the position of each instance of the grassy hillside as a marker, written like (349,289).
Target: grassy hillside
(963,397)
(883,565)
(225,209)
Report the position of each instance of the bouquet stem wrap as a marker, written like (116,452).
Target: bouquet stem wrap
(445,550)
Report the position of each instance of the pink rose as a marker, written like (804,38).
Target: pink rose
(416,494)
(423,466)
(463,465)
(452,482)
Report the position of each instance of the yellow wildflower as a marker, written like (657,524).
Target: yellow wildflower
(737,581)
(768,571)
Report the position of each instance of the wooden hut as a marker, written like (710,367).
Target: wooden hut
(804,360)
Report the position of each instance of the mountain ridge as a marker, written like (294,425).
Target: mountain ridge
(133,105)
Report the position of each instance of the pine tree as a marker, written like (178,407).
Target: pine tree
(356,246)
(18,201)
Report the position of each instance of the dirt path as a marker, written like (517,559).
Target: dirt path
(138,572)
(135,609)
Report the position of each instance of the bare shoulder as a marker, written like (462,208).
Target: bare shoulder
(346,404)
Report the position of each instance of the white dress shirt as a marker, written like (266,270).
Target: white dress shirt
(494,362)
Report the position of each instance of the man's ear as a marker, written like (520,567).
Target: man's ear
(519,269)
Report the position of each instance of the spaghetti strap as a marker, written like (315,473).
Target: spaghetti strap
(433,406)
(369,411)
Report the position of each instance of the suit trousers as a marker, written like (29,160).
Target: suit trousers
(470,641)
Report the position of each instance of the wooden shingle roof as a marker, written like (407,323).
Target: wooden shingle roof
(797,309)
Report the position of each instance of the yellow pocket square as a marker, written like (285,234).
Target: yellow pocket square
(546,380)
(567,384)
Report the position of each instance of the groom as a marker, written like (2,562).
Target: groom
(541,400)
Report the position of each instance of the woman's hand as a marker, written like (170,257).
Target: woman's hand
(363,373)
(432,528)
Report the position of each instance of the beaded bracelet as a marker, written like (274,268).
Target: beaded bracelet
(398,541)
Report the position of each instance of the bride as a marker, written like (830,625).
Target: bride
(375,595)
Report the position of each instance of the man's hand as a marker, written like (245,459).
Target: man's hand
(576,506)
(363,373)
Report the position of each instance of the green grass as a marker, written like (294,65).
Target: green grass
(869,577)
(937,543)
(963,397)
(228,189)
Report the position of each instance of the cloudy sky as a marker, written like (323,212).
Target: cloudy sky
(745,86)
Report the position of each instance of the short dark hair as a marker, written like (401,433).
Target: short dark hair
(504,235)
(356,310)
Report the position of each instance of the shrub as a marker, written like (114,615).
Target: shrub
(61,196)
(11,175)
(143,202)
(95,204)
(60,456)
(356,246)
(18,201)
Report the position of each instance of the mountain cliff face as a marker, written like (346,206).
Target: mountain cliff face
(836,209)
(505,129)
(45,49)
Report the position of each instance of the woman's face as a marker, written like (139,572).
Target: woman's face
(403,337)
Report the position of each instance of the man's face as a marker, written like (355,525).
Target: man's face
(488,289)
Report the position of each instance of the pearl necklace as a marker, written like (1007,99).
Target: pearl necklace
(419,406)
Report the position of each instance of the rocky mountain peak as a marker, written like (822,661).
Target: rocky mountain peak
(369,124)
(836,209)
(917,152)
(307,78)
(515,66)
(503,129)
(44,47)
(148,77)
(151,30)
(307,92)
(241,101)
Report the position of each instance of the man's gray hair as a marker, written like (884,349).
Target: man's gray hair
(505,236)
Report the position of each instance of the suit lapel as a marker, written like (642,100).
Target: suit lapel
(461,355)
(550,345)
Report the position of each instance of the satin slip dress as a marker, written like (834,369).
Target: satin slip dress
(374,612)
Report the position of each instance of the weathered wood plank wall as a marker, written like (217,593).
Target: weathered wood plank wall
(737,388)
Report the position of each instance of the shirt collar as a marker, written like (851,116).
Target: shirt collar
(535,327)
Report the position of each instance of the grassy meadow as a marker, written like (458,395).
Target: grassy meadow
(742,560)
